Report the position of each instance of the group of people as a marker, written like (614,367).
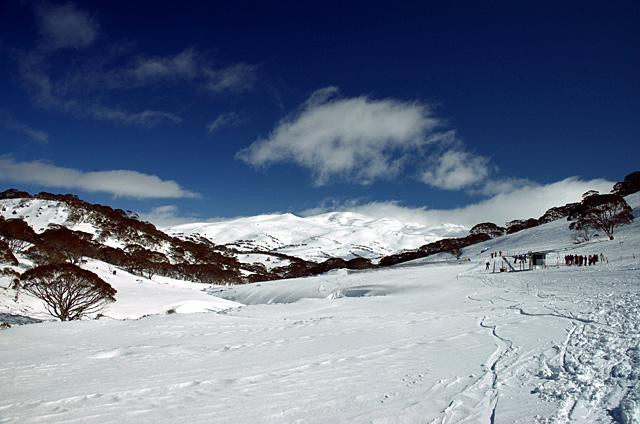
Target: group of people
(584,260)
(496,254)
(523,259)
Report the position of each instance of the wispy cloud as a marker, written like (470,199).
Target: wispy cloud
(65,26)
(359,138)
(85,89)
(494,186)
(70,96)
(188,66)
(183,65)
(229,119)
(234,78)
(122,182)
(8,121)
(145,118)
(32,133)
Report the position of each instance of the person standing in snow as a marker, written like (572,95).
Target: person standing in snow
(16,287)
(487,266)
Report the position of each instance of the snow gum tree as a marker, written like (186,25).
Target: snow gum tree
(603,212)
(68,291)
(6,255)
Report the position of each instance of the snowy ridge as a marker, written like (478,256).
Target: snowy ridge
(336,234)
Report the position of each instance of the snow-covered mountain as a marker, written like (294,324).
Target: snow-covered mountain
(316,238)
(257,248)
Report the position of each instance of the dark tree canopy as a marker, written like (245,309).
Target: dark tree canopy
(16,233)
(590,193)
(603,212)
(558,212)
(630,185)
(72,244)
(488,228)
(68,291)
(521,224)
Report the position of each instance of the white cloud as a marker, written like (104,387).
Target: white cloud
(224,120)
(358,138)
(124,183)
(65,26)
(31,67)
(167,216)
(146,118)
(456,169)
(529,201)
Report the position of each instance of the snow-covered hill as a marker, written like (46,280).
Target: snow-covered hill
(259,248)
(337,234)
(63,225)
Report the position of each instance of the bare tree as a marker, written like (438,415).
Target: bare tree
(68,291)
(583,235)
(16,245)
(602,212)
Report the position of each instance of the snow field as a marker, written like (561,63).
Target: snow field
(422,343)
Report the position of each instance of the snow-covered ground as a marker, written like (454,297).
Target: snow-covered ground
(316,238)
(419,343)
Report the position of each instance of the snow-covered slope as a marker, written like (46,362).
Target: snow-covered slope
(337,234)
(425,343)
(38,213)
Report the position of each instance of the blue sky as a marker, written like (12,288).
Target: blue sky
(196,110)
